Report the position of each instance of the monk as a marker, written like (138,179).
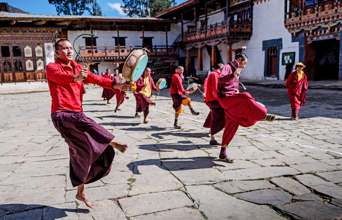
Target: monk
(178,94)
(240,108)
(107,94)
(217,114)
(297,84)
(145,85)
(118,92)
(90,145)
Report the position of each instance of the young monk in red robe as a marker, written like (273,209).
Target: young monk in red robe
(178,94)
(240,108)
(297,84)
(117,92)
(217,112)
(90,145)
(107,94)
(145,85)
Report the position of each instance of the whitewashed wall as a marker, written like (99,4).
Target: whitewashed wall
(103,66)
(268,24)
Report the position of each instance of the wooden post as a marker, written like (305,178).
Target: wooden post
(200,61)
(167,47)
(182,25)
(195,18)
(92,41)
(142,45)
(227,10)
(206,17)
(213,57)
(171,68)
(229,51)
(188,62)
(118,38)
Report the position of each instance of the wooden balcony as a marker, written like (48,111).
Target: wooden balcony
(119,53)
(314,15)
(218,30)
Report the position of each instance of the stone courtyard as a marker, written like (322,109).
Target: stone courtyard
(283,169)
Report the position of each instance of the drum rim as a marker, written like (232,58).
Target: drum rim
(160,82)
(137,64)
(123,68)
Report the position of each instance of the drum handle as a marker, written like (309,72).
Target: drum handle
(75,42)
(243,85)
(119,103)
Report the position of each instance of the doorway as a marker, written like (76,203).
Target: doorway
(327,59)
(272,67)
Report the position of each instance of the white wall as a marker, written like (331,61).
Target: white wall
(268,24)
(103,66)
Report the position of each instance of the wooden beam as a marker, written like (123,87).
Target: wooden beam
(118,38)
(195,18)
(200,59)
(188,63)
(142,39)
(167,45)
(206,18)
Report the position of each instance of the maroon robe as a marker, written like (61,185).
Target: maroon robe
(144,101)
(296,90)
(240,108)
(107,93)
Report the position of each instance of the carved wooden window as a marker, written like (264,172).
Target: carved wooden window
(310,2)
(5,51)
(88,41)
(147,42)
(122,41)
(4,66)
(18,65)
(16,51)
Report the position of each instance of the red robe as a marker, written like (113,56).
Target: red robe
(240,108)
(296,90)
(143,102)
(177,91)
(217,114)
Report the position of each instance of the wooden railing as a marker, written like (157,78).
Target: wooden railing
(317,13)
(116,52)
(212,31)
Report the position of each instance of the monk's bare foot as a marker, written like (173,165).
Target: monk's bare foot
(153,104)
(145,122)
(117,145)
(83,197)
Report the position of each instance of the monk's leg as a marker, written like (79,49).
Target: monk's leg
(228,134)
(190,107)
(176,121)
(145,115)
(121,147)
(81,195)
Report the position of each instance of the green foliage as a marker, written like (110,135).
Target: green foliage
(146,8)
(76,7)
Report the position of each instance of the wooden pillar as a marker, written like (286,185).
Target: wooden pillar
(167,46)
(227,10)
(142,39)
(213,57)
(182,24)
(200,59)
(229,51)
(188,62)
(206,17)
(171,68)
(92,40)
(195,20)
(118,38)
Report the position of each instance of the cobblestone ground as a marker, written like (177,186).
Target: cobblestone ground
(283,169)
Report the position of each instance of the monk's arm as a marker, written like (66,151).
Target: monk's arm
(180,86)
(55,74)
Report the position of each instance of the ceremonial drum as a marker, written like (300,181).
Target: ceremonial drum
(161,83)
(192,88)
(135,65)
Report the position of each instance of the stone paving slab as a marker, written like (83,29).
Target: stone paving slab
(313,167)
(154,202)
(312,210)
(266,197)
(101,193)
(259,173)
(66,211)
(174,214)
(291,186)
(308,197)
(196,176)
(321,185)
(103,210)
(335,177)
(227,207)
(243,186)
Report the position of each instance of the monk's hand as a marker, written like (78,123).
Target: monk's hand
(237,72)
(83,74)
(187,93)
(204,95)
(145,85)
(120,86)
(237,92)
(158,90)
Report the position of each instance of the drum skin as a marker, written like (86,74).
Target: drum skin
(135,65)
(161,83)
(192,88)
